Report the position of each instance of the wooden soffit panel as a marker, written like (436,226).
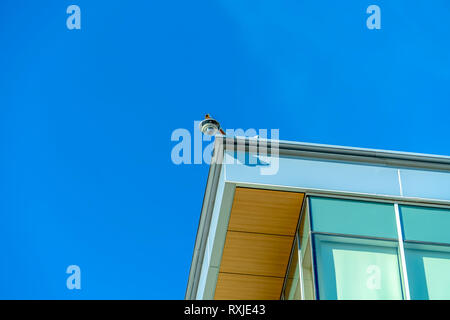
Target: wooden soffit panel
(256,253)
(242,287)
(265,211)
(258,243)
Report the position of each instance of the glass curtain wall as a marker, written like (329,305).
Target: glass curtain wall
(356,249)
(348,249)
(292,290)
(426,233)
(299,282)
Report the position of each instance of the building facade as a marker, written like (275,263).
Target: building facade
(287,220)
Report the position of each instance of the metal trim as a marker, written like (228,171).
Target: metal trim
(342,153)
(204,222)
(401,250)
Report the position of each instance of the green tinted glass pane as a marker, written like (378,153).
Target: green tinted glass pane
(428,273)
(306,257)
(307,274)
(292,286)
(293,292)
(353,217)
(426,224)
(357,269)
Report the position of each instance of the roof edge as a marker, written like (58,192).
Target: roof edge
(341,153)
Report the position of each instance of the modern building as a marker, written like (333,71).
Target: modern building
(326,222)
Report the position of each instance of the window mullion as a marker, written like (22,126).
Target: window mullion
(402,252)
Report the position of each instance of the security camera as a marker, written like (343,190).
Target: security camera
(210,126)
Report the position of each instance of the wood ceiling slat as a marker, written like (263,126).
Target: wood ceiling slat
(265,211)
(256,254)
(241,287)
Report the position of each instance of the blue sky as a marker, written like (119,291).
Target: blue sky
(86,117)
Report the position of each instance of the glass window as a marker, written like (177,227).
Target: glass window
(355,251)
(425,224)
(352,217)
(307,272)
(428,268)
(304,235)
(299,280)
(349,268)
(427,253)
(292,287)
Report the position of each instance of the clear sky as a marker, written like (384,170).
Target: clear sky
(86,117)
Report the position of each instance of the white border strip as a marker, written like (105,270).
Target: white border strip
(402,252)
(400,182)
